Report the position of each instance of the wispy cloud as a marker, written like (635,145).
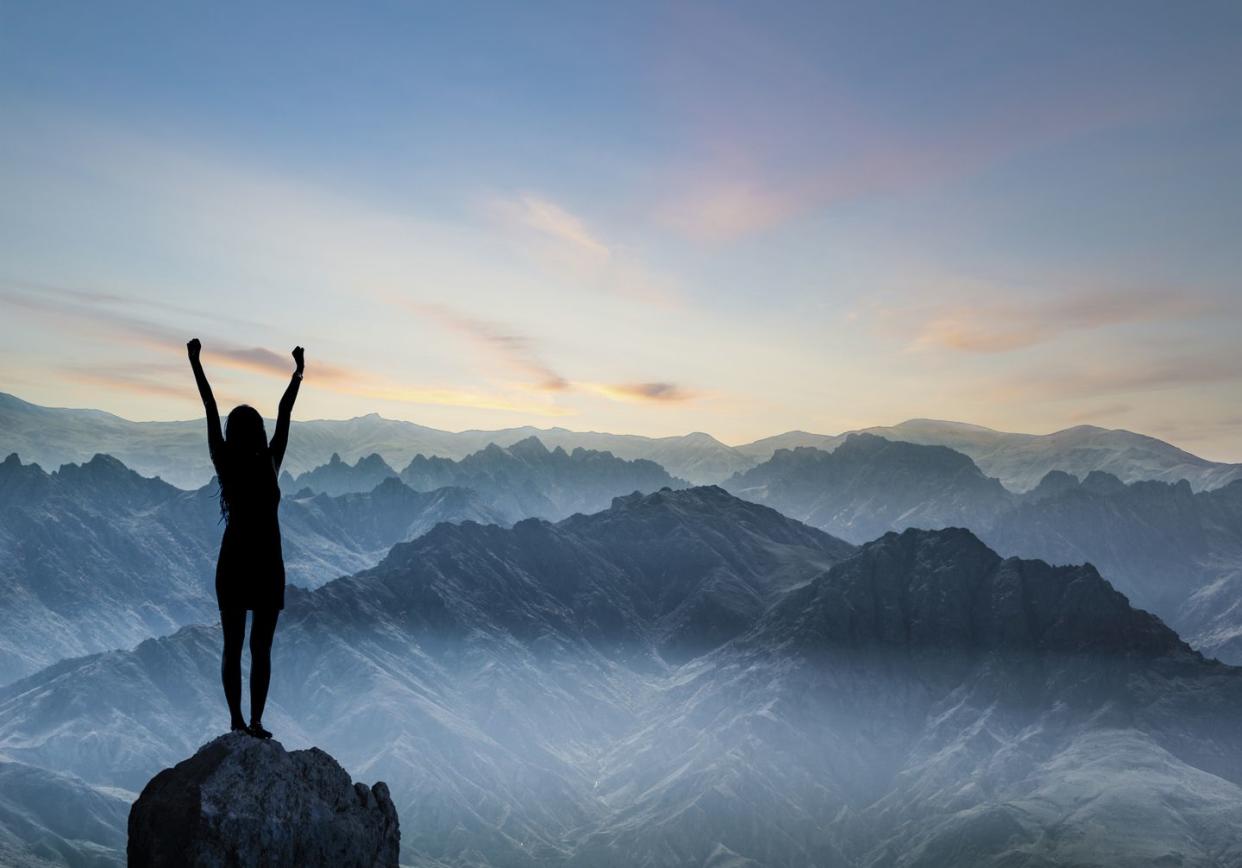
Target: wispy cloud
(1119,377)
(756,183)
(641,392)
(131,380)
(519,354)
(515,351)
(561,241)
(983,325)
(262,361)
(550,219)
(90,313)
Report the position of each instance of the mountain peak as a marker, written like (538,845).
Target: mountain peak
(374,461)
(528,447)
(1103,482)
(945,589)
(102,467)
(1054,482)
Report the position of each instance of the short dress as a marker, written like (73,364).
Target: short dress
(250,572)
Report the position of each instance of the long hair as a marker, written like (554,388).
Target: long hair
(248,473)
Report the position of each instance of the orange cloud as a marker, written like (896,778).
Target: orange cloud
(261,361)
(653,392)
(91,312)
(518,353)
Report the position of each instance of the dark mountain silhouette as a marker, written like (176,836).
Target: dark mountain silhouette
(689,678)
(527,479)
(95,556)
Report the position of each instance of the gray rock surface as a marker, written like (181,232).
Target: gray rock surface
(240,801)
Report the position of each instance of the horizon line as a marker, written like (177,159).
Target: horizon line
(867,429)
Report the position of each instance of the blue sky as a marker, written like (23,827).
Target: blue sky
(738,218)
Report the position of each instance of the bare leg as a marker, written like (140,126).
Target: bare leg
(262,629)
(234,623)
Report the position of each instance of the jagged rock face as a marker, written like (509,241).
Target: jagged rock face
(241,801)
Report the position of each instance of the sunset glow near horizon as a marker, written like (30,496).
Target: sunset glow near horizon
(652,219)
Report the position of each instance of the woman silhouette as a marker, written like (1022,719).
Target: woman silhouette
(250,572)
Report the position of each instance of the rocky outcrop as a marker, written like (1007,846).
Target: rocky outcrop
(241,801)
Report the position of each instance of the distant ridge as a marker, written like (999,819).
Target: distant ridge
(521,480)
(1020,461)
(174,450)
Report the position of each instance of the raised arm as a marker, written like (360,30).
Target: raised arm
(215,438)
(280,439)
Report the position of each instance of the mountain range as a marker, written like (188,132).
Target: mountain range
(1020,461)
(523,480)
(1170,549)
(96,556)
(888,651)
(691,678)
(173,450)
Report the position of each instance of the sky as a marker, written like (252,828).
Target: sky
(737,218)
